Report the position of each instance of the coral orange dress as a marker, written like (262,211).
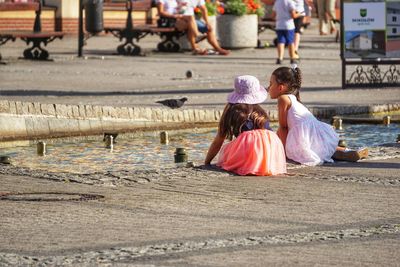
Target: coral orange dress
(254,152)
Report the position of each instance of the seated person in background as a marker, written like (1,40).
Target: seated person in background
(204,27)
(171,16)
(180,13)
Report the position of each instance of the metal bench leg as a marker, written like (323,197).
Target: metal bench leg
(129,48)
(169,45)
(36,52)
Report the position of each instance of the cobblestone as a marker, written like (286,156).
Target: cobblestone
(132,254)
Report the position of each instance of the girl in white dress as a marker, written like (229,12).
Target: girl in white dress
(306,139)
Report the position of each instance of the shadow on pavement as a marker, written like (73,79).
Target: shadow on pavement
(108,93)
(34,92)
(365,164)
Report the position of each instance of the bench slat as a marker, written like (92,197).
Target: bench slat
(159,29)
(31,34)
(136,6)
(144,27)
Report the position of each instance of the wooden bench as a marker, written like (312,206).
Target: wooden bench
(37,37)
(133,32)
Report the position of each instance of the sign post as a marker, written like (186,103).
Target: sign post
(370,40)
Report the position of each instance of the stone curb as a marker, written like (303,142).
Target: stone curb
(26,120)
(33,120)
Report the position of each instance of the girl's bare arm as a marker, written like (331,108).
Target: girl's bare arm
(214,148)
(294,14)
(284,104)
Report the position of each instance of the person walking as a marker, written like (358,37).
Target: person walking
(284,12)
(298,24)
(326,16)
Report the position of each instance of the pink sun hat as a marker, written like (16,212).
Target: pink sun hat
(247,91)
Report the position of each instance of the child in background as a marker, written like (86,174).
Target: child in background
(256,150)
(306,140)
(298,24)
(284,12)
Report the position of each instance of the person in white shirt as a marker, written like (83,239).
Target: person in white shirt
(172,15)
(284,12)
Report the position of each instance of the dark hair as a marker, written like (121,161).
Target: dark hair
(290,77)
(235,115)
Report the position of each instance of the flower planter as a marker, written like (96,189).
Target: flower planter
(237,31)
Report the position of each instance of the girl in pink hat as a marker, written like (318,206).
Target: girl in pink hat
(255,149)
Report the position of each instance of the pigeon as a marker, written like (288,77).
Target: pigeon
(173,103)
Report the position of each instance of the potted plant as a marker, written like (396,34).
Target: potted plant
(238,26)
(214,8)
(243,7)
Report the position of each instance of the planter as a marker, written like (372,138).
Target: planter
(238,31)
(184,43)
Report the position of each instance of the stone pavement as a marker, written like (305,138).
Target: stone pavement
(337,214)
(138,81)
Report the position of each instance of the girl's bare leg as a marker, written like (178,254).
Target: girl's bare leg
(189,25)
(281,50)
(191,21)
(291,50)
(296,41)
(350,155)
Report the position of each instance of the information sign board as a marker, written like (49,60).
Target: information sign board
(370,40)
(371,29)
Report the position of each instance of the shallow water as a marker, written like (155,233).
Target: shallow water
(147,152)
(369,135)
(93,156)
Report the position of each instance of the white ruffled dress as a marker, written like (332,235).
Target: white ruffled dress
(309,141)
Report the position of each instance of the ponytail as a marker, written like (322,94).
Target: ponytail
(297,82)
